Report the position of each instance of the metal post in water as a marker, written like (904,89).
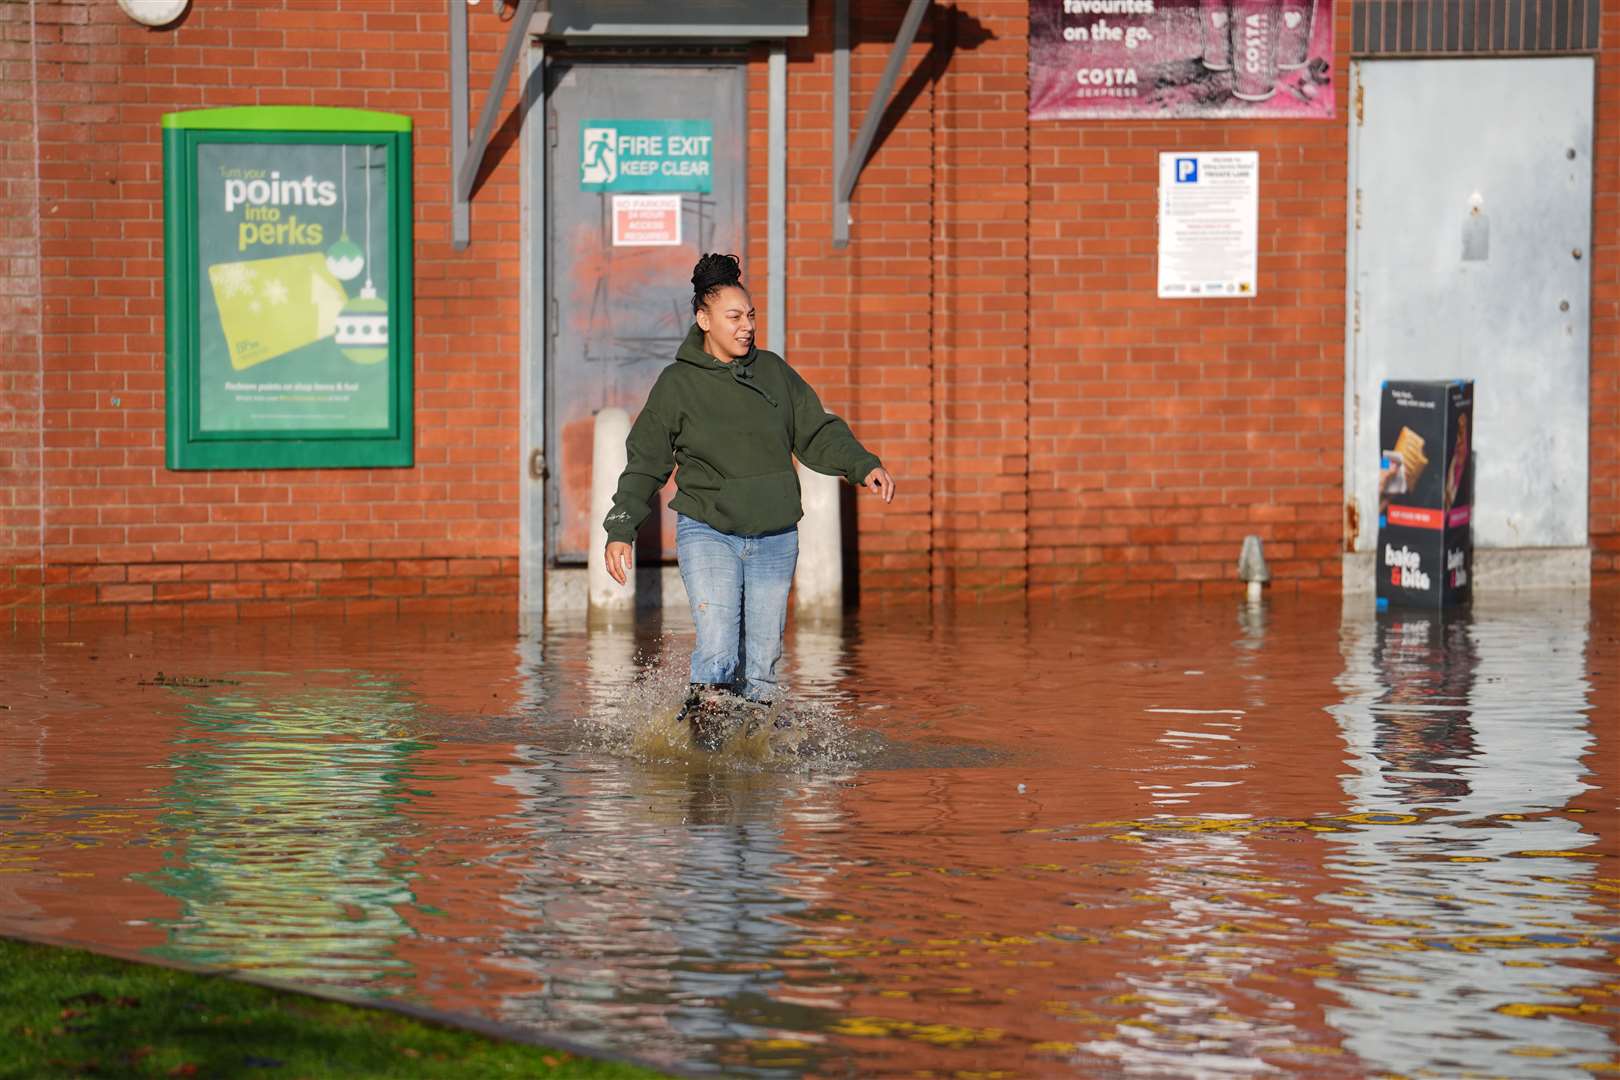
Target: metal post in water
(608,456)
(1252,567)
(818,582)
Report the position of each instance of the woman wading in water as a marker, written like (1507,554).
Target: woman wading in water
(731,416)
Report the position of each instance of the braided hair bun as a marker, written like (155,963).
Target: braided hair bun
(712,273)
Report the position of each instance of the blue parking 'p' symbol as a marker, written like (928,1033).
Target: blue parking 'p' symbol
(1186,170)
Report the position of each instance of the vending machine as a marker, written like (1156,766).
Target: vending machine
(1425,554)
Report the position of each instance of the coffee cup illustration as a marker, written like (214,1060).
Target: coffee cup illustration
(1215,18)
(1256,29)
(1294,36)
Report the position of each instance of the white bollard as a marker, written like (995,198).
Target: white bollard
(608,457)
(818,583)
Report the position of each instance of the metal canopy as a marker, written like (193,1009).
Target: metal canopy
(849,160)
(602,20)
(708,19)
(467,158)
(590,21)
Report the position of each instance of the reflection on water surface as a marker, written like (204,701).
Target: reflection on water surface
(1171,840)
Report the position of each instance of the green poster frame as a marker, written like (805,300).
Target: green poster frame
(189,446)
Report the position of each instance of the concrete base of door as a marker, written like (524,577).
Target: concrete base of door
(567,593)
(1496,570)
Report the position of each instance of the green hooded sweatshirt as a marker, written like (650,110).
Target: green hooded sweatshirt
(732,429)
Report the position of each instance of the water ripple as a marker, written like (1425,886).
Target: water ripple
(1180,840)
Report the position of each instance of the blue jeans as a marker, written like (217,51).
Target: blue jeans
(738,588)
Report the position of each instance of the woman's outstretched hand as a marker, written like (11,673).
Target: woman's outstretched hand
(880,482)
(618,555)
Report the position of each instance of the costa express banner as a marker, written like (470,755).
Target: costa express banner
(288,282)
(1166,59)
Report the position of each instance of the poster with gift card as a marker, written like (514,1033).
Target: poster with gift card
(1179,59)
(289,325)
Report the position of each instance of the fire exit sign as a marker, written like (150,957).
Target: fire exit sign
(646,155)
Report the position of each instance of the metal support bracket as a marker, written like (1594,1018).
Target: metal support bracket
(467,156)
(849,160)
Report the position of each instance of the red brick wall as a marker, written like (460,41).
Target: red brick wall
(1072,432)
(992,330)
(917,330)
(984,365)
(19,318)
(1085,436)
(1604,520)
(859,317)
(1164,432)
(126,537)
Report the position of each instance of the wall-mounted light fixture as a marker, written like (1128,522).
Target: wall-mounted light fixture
(154,13)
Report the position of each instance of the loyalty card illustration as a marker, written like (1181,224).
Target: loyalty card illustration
(268,307)
(294,254)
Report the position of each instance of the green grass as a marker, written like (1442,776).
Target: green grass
(64,1012)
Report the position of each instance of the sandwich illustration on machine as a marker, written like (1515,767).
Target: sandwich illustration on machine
(1402,466)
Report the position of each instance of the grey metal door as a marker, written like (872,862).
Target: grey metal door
(656,149)
(1471,225)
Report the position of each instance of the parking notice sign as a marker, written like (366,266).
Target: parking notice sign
(646,155)
(1209,236)
(646,220)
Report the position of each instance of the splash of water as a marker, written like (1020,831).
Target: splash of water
(642,721)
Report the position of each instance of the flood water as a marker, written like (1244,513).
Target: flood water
(1175,839)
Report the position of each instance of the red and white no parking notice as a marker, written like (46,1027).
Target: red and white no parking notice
(646,220)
